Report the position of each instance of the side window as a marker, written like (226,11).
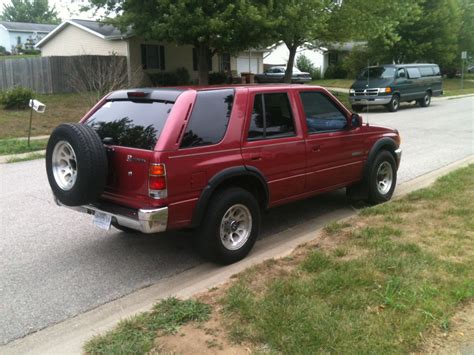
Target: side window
(413,73)
(271,117)
(209,119)
(436,70)
(321,113)
(426,71)
(401,73)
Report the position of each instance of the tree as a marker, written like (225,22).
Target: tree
(31,11)
(296,22)
(321,21)
(211,26)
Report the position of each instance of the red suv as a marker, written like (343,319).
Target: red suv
(213,158)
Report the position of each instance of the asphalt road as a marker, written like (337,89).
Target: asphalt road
(54,264)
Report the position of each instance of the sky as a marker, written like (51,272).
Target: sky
(66,9)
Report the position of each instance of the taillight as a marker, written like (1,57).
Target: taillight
(157,181)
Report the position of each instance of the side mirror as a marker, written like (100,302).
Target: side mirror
(356,120)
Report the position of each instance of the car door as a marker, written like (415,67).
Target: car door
(274,144)
(415,84)
(402,84)
(335,151)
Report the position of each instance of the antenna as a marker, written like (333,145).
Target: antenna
(368,86)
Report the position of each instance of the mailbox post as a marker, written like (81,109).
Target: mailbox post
(38,107)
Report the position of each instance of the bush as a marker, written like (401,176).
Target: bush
(357,60)
(335,71)
(217,78)
(16,98)
(2,50)
(304,64)
(178,77)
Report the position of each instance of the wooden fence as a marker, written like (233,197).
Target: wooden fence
(48,75)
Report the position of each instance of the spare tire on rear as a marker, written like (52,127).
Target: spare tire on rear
(76,164)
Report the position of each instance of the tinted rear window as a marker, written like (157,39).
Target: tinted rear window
(135,124)
(209,119)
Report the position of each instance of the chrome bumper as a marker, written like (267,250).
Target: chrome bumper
(143,220)
(398,155)
(375,100)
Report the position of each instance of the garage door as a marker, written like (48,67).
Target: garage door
(243,65)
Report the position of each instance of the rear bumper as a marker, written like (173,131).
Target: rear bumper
(142,220)
(375,100)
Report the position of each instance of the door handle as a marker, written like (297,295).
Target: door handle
(316,148)
(255,156)
(252,156)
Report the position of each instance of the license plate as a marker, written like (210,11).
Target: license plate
(102,220)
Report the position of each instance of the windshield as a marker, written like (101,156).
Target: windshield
(378,73)
(135,124)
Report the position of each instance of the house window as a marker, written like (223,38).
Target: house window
(196,60)
(224,62)
(153,56)
(333,57)
(18,40)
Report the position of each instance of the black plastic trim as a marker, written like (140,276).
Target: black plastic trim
(220,178)
(383,142)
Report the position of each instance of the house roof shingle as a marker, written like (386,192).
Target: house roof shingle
(27,27)
(106,30)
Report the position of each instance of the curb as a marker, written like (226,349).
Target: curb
(5,158)
(69,336)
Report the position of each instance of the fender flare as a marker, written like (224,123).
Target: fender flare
(217,181)
(383,143)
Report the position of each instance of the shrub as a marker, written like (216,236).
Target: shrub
(217,78)
(357,60)
(335,71)
(16,98)
(178,77)
(2,50)
(304,64)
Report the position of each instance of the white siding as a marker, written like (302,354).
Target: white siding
(73,41)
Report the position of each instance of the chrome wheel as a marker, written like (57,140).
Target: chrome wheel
(427,99)
(64,165)
(395,103)
(236,226)
(384,178)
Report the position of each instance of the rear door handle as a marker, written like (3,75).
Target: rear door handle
(255,156)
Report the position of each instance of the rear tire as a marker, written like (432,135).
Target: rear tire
(76,164)
(382,178)
(394,104)
(426,100)
(230,226)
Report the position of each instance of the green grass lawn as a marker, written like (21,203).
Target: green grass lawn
(59,108)
(380,282)
(16,146)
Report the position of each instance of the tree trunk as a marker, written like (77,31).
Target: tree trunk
(291,62)
(203,64)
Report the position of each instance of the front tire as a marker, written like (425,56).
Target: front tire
(382,178)
(230,226)
(394,104)
(426,100)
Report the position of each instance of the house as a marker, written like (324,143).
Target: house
(85,37)
(15,36)
(321,57)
